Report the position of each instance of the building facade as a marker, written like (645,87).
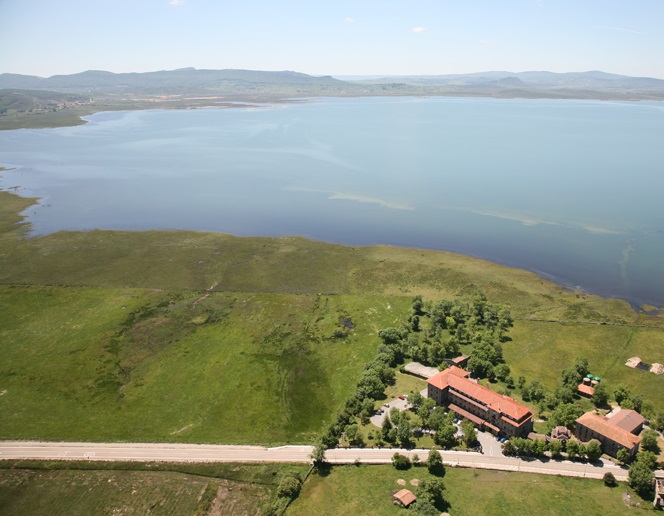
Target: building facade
(487,409)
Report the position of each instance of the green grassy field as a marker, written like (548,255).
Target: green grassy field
(368,489)
(99,488)
(201,337)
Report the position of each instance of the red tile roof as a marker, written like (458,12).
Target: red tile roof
(585,389)
(405,497)
(629,420)
(604,427)
(457,379)
(440,380)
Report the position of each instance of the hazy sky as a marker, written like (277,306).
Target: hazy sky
(335,37)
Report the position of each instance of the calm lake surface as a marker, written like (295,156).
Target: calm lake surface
(570,189)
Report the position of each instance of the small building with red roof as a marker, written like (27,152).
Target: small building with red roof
(403,498)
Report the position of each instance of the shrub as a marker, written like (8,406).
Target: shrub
(609,479)
(400,461)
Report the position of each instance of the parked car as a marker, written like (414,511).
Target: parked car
(402,397)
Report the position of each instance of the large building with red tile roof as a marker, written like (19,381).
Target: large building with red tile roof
(608,432)
(487,409)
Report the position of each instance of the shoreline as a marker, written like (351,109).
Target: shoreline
(75,116)
(581,292)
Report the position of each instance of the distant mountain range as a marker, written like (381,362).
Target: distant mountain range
(182,80)
(190,81)
(594,80)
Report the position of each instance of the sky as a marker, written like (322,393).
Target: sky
(340,37)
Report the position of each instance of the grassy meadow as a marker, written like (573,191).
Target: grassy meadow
(111,488)
(368,489)
(203,337)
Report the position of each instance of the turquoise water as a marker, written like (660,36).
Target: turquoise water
(569,189)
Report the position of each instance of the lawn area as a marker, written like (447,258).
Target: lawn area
(367,490)
(404,384)
(52,488)
(541,350)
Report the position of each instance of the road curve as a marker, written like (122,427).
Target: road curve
(149,452)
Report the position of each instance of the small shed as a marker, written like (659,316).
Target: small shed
(585,390)
(403,498)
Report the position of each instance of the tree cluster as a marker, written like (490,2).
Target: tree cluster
(538,447)
(454,323)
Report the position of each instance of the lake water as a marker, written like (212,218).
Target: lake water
(570,189)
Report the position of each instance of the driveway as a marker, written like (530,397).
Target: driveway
(490,447)
(377,419)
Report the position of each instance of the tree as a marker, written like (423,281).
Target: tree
(566,394)
(581,366)
(425,411)
(649,441)
(400,461)
(502,371)
(445,436)
(622,455)
(354,435)
(601,395)
(621,393)
(647,458)
(424,508)
(658,421)
(416,460)
(609,479)
(318,454)
(370,385)
(431,490)
(572,449)
(416,400)
(641,478)
(593,450)
(521,381)
(565,414)
(508,448)
(289,486)
(571,378)
(385,428)
(469,433)
(405,433)
(366,411)
(434,461)
(533,391)
(555,447)
(628,404)
(395,416)
(539,447)
(418,305)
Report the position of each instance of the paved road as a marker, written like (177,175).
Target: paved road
(152,452)
(219,453)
